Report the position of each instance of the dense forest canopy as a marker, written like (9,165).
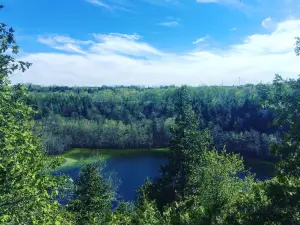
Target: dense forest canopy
(138,117)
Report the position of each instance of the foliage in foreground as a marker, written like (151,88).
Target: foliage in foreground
(27,192)
(93,196)
(283,191)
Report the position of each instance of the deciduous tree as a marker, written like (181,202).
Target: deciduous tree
(27,191)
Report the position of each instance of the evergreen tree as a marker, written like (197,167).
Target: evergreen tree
(27,191)
(93,196)
(186,146)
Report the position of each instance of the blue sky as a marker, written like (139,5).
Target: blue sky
(154,42)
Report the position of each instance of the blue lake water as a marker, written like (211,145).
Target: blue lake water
(132,170)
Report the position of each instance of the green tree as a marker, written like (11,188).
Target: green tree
(27,191)
(93,196)
(222,193)
(282,204)
(147,213)
(186,146)
(123,214)
(221,186)
(283,191)
(297,47)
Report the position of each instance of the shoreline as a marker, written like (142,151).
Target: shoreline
(80,156)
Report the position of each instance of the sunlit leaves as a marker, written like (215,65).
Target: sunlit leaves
(27,191)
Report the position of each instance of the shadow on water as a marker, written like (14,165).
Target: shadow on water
(132,170)
(262,170)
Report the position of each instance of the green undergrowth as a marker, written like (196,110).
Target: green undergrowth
(81,156)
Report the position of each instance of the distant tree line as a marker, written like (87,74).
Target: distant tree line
(139,117)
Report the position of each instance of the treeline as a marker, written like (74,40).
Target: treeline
(139,117)
(60,134)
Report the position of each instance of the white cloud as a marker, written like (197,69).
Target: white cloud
(99,3)
(207,1)
(64,43)
(118,59)
(233,29)
(169,23)
(70,48)
(254,8)
(163,2)
(129,5)
(227,2)
(268,23)
(116,43)
(202,39)
(114,5)
(53,40)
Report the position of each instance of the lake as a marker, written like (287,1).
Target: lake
(132,170)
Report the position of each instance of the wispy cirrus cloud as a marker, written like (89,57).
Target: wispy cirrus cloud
(229,2)
(207,1)
(268,23)
(163,2)
(169,23)
(280,8)
(247,7)
(59,39)
(124,44)
(127,59)
(99,3)
(64,43)
(114,5)
(202,39)
(128,5)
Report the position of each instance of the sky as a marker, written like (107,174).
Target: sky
(154,42)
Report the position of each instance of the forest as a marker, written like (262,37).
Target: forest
(140,117)
(202,183)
